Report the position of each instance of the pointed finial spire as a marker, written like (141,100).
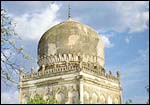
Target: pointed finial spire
(69,14)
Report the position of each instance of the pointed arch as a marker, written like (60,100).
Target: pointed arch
(74,97)
(116,101)
(94,98)
(102,99)
(110,101)
(60,97)
(86,97)
(25,99)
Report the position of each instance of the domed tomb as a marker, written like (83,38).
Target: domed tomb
(71,37)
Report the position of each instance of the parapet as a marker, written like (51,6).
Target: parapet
(48,60)
(69,63)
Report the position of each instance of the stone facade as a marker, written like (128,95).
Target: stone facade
(71,77)
(72,83)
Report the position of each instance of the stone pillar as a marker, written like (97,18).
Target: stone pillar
(43,68)
(20,86)
(32,70)
(120,92)
(121,99)
(81,88)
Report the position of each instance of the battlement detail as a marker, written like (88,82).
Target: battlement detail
(70,67)
(47,60)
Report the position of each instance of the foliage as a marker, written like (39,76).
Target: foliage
(9,49)
(40,100)
(129,101)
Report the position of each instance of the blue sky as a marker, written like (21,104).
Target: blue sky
(123,26)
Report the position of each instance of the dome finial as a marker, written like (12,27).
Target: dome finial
(69,14)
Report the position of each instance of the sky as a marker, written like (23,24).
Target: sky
(122,25)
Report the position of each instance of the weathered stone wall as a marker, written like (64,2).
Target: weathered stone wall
(64,88)
(101,94)
(72,87)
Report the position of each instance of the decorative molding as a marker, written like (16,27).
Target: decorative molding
(52,59)
(70,67)
(100,93)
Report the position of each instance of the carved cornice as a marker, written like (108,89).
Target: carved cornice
(58,58)
(50,72)
(71,67)
(102,85)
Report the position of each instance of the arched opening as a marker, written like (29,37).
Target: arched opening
(25,100)
(86,97)
(116,101)
(94,99)
(60,97)
(74,97)
(109,100)
(102,99)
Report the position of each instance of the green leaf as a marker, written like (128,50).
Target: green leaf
(40,100)
(8,77)
(26,56)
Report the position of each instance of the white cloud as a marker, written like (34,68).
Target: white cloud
(106,41)
(133,16)
(9,97)
(116,16)
(32,26)
(126,16)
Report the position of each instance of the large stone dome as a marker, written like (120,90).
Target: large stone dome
(71,37)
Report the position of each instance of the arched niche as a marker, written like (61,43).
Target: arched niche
(60,97)
(86,97)
(94,98)
(74,97)
(116,101)
(110,101)
(102,99)
(25,99)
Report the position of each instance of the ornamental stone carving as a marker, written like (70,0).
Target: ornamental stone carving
(118,74)
(43,68)
(71,73)
(86,97)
